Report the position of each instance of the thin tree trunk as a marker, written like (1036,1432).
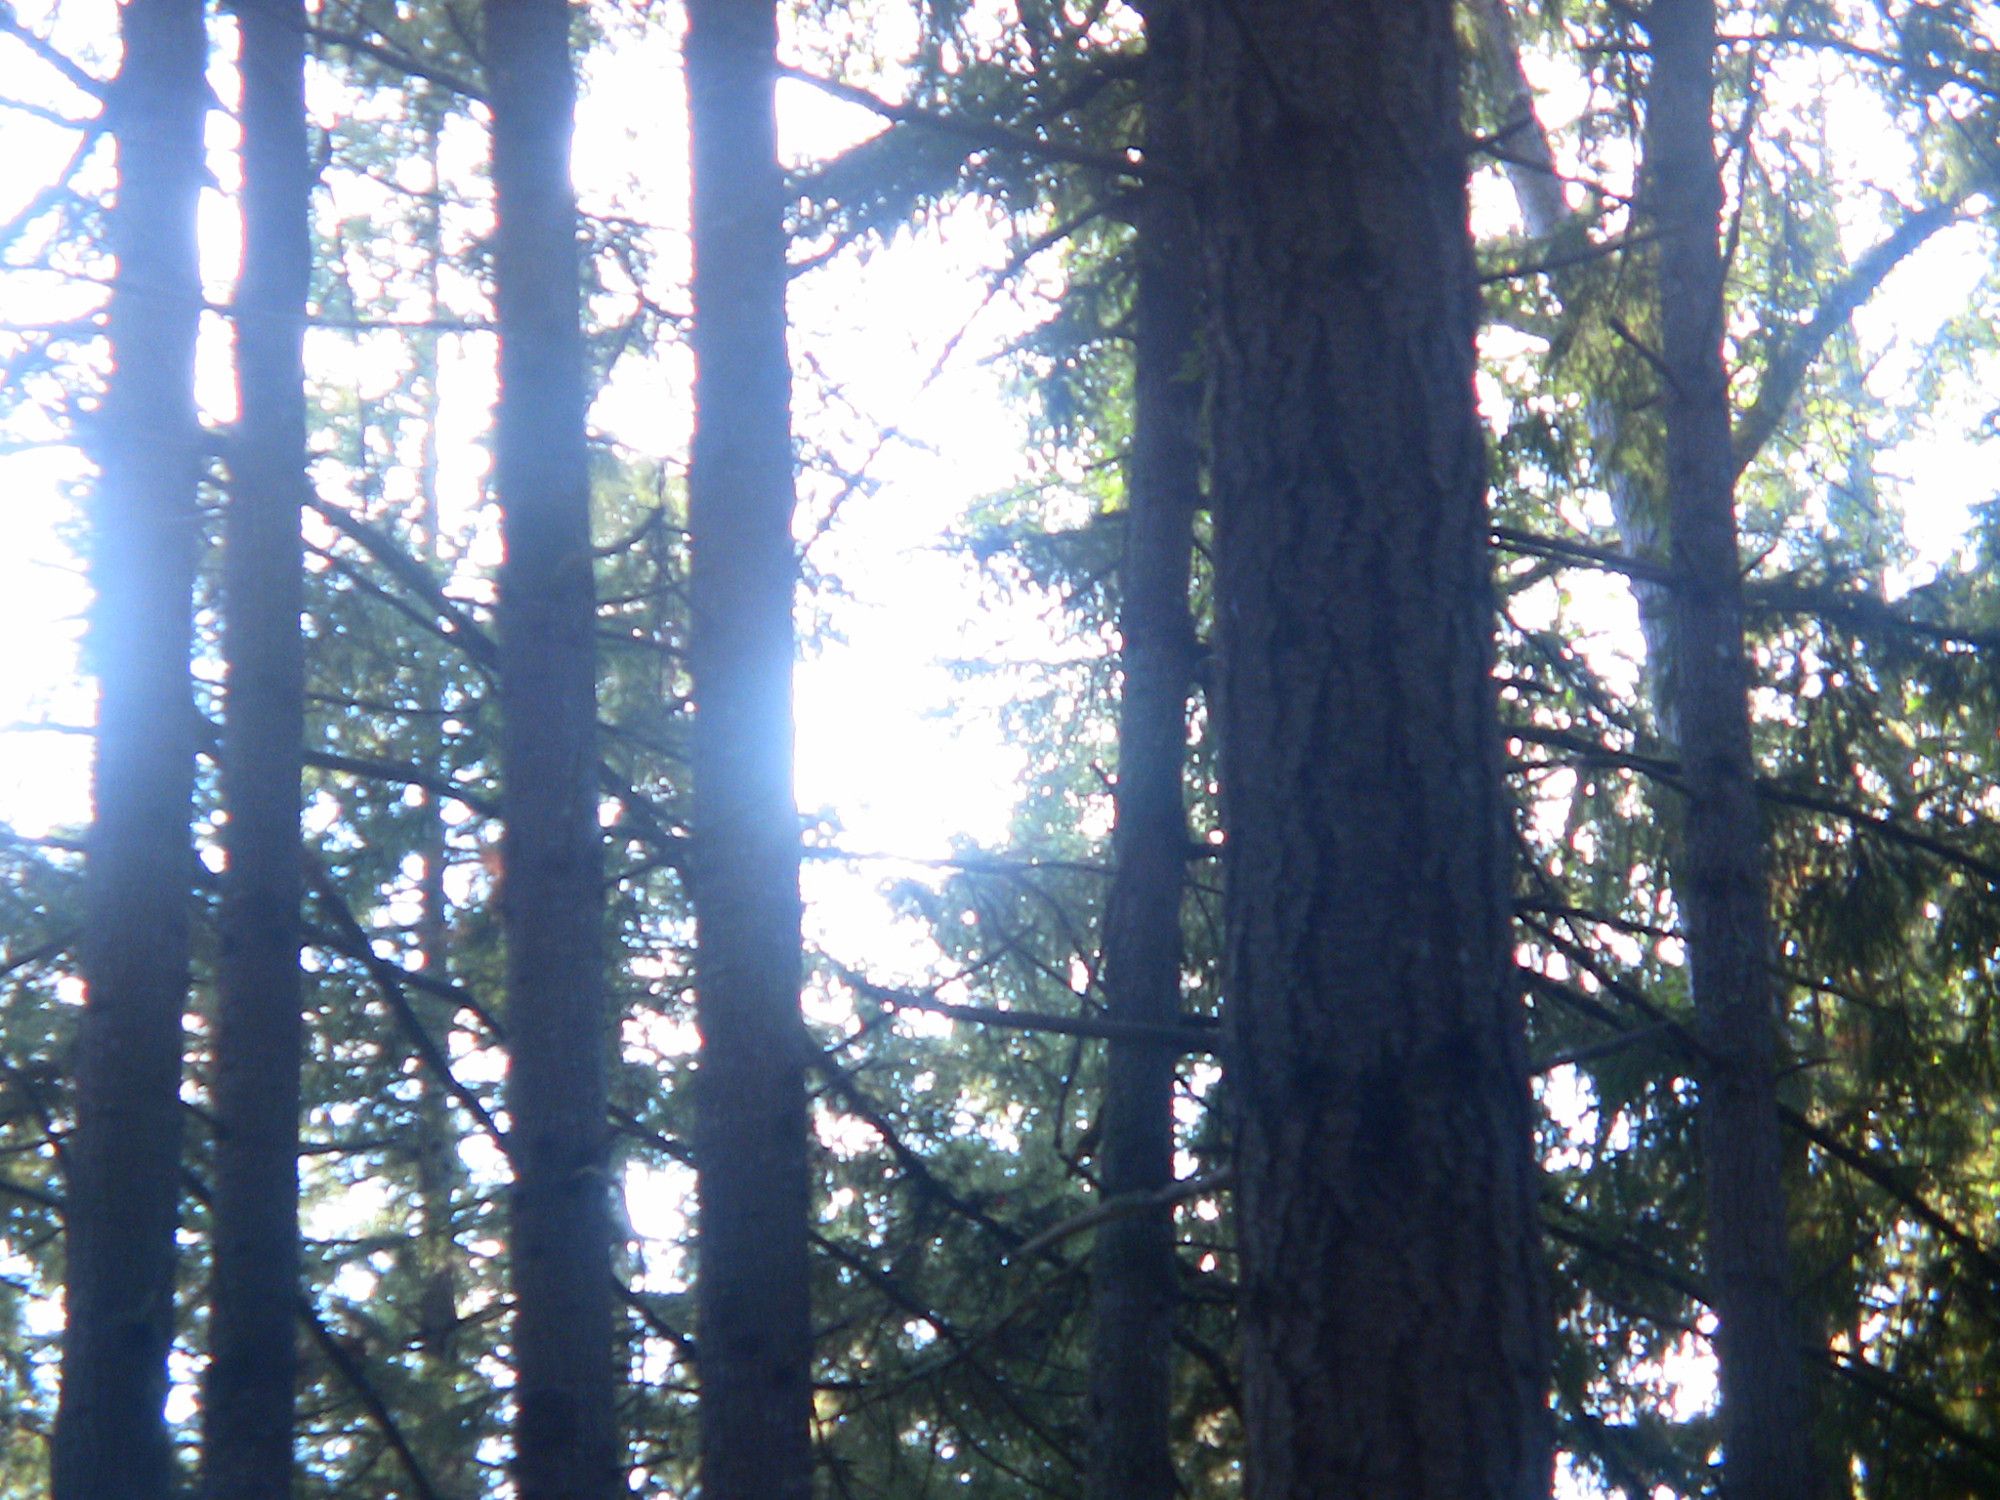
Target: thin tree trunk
(565,1432)
(752,1298)
(247,1404)
(1134,1274)
(1697,674)
(124,1156)
(450,1443)
(1722,889)
(1394,1335)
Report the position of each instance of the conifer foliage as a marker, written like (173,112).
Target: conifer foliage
(1488,984)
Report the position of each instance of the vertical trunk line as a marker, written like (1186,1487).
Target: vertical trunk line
(1134,1271)
(751,1123)
(452,1443)
(248,1402)
(124,1157)
(1723,890)
(565,1434)
(1394,1328)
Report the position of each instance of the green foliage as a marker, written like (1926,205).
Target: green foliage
(952,1323)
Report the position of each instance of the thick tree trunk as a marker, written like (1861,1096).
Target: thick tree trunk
(1134,1274)
(1722,888)
(752,1298)
(565,1432)
(124,1156)
(1393,1324)
(247,1404)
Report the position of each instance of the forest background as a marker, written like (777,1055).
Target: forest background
(965,203)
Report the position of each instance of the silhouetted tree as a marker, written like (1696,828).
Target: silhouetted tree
(752,1299)
(1720,882)
(1135,1276)
(1393,1330)
(124,1156)
(252,1369)
(559,1043)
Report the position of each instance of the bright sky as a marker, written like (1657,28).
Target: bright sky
(872,744)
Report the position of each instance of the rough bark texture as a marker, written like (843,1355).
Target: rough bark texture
(1134,1277)
(1393,1326)
(552,906)
(247,1402)
(124,1156)
(752,1299)
(1721,887)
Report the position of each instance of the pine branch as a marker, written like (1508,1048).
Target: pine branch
(1126,1206)
(1190,1037)
(1886,1179)
(403,775)
(1563,549)
(1882,1384)
(989,135)
(355,1375)
(389,981)
(397,60)
(1794,352)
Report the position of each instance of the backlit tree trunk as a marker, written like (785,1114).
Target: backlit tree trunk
(1721,886)
(247,1402)
(1393,1326)
(565,1435)
(1134,1275)
(752,1300)
(124,1155)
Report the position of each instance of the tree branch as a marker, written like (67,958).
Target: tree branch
(986,134)
(1794,352)
(1127,1206)
(1189,1037)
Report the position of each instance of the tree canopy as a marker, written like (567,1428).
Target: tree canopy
(1386,612)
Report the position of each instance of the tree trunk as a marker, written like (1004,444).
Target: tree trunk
(247,1404)
(1394,1336)
(449,1444)
(752,1298)
(565,1431)
(124,1156)
(1722,889)
(1697,677)
(1134,1273)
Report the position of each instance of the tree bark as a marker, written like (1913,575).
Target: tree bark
(247,1402)
(1395,1341)
(752,1298)
(1722,888)
(565,1433)
(124,1156)
(1134,1274)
